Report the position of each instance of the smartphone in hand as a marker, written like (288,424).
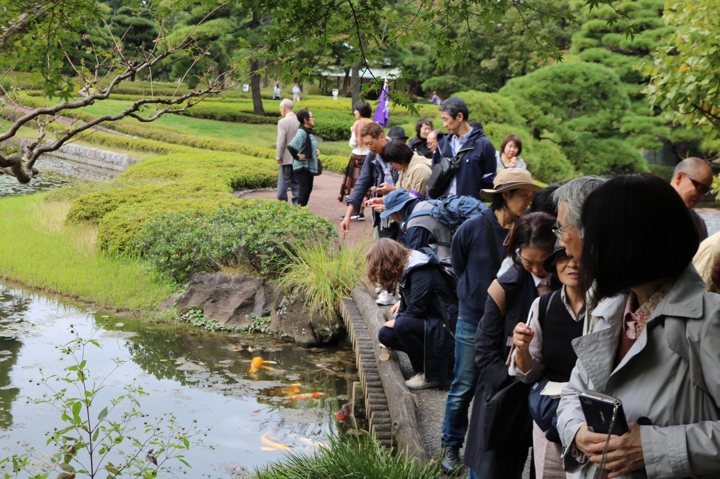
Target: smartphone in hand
(598,409)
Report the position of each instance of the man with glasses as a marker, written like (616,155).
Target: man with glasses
(569,199)
(692,180)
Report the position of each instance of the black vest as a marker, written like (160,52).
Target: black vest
(559,329)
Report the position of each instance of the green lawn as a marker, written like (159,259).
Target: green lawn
(58,258)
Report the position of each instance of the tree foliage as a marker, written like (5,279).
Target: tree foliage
(685,80)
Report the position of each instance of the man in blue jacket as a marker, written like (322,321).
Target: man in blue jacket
(478,166)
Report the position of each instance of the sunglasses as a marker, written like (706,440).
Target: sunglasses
(699,187)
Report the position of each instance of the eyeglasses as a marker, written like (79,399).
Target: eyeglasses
(311,117)
(699,187)
(558,231)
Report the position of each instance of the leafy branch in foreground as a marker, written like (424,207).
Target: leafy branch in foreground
(112,439)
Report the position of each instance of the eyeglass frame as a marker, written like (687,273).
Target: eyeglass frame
(558,231)
(697,185)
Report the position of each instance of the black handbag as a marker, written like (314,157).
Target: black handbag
(442,175)
(507,417)
(319,168)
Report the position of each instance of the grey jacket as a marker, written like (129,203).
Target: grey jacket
(671,375)
(287,129)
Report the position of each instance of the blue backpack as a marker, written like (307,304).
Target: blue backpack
(452,211)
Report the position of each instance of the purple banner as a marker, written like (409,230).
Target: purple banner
(382,112)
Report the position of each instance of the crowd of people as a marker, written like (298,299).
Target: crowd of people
(542,303)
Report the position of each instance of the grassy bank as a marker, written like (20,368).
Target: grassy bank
(41,251)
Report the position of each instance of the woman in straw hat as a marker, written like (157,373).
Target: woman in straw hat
(476,252)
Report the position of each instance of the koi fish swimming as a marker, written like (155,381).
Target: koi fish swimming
(344,412)
(272,445)
(299,397)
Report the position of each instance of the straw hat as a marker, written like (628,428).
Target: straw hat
(511,179)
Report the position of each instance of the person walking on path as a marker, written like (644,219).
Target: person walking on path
(476,252)
(362,112)
(305,155)
(277,91)
(296,92)
(287,128)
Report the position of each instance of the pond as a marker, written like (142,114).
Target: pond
(9,186)
(255,415)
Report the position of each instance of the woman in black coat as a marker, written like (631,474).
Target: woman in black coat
(509,300)
(424,322)
(419,143)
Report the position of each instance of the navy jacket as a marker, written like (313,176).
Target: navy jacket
(479,166)
(473,265)
(423,291)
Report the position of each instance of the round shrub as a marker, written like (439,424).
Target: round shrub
(491,107)
(260,233)
(604,157)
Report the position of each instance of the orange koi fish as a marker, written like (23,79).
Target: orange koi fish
(299,397)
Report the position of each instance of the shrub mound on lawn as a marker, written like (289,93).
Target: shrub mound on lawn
(177,182)
(260,233)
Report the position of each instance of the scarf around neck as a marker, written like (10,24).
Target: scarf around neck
(308,150)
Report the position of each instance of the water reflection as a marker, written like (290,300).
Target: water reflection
(290,401)
(9,186)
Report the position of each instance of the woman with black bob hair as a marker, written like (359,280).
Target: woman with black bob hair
(419,144)
(655,339)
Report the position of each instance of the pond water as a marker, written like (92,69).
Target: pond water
(254,415)
(9,186)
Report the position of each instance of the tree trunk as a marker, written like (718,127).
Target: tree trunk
(355,83)
(255,88)
(265,79)
(346,82)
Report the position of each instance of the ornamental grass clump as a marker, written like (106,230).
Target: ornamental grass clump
(323,272)
(350,457)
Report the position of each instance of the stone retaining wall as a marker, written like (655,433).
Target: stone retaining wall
(81,162)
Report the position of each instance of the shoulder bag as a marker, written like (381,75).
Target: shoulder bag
(442,175)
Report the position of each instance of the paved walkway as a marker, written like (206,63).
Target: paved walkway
(323,202)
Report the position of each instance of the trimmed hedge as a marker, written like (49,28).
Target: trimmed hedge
(177,182)
(258,232)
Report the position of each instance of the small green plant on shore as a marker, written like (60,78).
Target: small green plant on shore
(102,438)
(258,324)
(323,272)
(350,457)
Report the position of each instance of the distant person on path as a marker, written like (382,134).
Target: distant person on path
(478,167)
(277,92)
(419,143)
(432,140)
(363,112)
(435,100)
(287,129)
(423,324)
(509,154)
(692,179)
(305,155)
(296,92)
(397,133)
(476,253)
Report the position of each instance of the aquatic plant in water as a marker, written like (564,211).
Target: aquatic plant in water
(102,438)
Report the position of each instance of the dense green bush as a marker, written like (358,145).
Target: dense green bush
(177,182)
(491,107)
(230,112)
(260,233)
(604,156)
